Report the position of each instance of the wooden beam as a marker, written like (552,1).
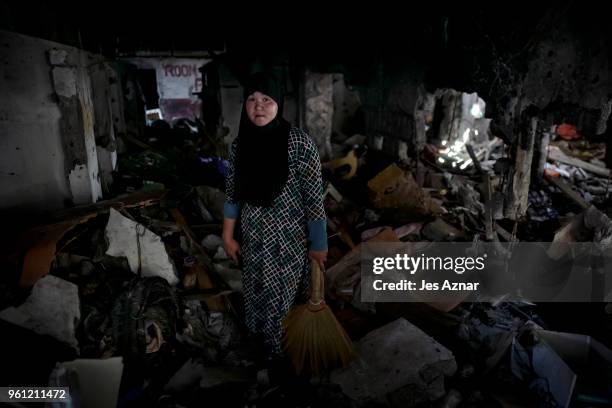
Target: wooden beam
(556,154)
(568,191)
(518,192)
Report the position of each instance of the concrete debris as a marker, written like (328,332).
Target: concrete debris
(51,309)
(144,250)
(153,281)
(399,365)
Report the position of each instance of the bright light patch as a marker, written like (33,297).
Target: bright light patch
(475,111)
(464,165)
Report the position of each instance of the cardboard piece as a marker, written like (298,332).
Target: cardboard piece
(394,188)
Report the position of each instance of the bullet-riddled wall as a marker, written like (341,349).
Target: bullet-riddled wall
(47,144)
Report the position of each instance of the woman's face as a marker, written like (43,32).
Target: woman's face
(261,109)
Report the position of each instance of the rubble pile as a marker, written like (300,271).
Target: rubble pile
(141,284)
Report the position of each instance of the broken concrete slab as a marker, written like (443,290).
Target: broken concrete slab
(143,249)
(51,309)
(399,365)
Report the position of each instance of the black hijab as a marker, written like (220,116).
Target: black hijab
(262,163)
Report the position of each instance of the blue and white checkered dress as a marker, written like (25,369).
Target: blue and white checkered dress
(276,269)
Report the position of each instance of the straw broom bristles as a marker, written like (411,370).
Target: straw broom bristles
(313,339)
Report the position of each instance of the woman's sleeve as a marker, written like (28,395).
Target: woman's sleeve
(311,184)
(231,208)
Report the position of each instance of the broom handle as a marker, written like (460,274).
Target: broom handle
(317,283)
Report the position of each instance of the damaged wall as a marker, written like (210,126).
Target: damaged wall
(570,75)
(177,81)
(552,60)
(109,121)
(381,98)
(46,124)
(72,87)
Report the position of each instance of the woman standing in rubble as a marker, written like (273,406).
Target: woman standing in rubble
(274,187)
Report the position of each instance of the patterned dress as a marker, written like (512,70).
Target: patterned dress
(274,246)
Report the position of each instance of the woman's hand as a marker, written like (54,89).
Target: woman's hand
(319,256)
(232,248)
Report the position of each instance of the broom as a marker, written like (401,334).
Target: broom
(313,339)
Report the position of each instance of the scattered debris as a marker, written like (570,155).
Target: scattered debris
(393,188)
(145,276)
(399,365)
(144,250)
(51,309)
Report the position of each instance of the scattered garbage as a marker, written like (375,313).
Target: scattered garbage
(141,287)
